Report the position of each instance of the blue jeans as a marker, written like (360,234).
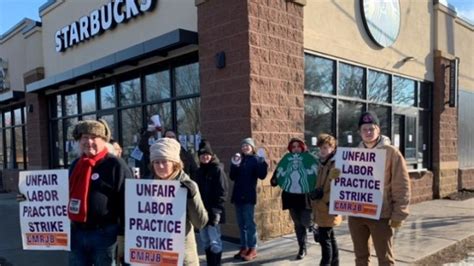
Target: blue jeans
(211,238)
(247,225)
(93,246)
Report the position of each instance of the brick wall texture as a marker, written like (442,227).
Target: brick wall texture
(466,178)
(421,186)
(259,93)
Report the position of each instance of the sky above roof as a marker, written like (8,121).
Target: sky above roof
(13,11)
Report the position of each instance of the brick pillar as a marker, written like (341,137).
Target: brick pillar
(445,131)
(260,91)
(37,124)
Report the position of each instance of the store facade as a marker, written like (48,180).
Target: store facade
(225,70)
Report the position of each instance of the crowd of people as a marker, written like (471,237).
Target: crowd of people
(97,178)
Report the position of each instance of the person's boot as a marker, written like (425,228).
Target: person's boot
(251,254)
(301,253)
(208,256)
(240,255)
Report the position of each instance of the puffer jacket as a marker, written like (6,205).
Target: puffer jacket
(320,207)
(397,191)
(245,178)
(212,182)
(196,217)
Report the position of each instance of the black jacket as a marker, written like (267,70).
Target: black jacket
(212,182)
(107,193)
(189,164)
(245,178)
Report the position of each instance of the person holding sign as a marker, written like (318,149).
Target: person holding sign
(320,196)
(396,198)
(245,170)
(167,165)
(212,182)
(297,203)
(96,196)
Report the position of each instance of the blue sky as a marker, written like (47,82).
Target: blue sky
(13,11)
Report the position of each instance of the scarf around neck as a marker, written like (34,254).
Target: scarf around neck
(79,184)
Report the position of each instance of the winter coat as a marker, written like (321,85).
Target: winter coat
(189,164)
(245,178)
(396,195)
(321,214)
(196,217)
(212,182)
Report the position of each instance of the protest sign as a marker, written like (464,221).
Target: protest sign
(297,172)
(155,222)
(43,215)
(358,191)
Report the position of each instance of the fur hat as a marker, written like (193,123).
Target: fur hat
(248,141)
(205,147)
(369,118)
(98,128)
(165,149)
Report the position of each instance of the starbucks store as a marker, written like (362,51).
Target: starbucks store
(226,70)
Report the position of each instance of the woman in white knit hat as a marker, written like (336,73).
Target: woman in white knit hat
(167,165)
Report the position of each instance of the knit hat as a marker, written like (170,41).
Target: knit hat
(205,147)
(248,141)
(97,128)
(300,142)
(369,118)
(165,149)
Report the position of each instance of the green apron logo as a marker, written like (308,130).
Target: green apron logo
(297,172)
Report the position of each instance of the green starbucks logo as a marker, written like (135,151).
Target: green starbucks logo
(297,172)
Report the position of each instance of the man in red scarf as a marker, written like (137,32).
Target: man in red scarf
(96,196)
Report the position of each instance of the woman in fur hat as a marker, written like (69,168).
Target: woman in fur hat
(166,165)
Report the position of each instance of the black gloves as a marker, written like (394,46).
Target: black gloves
(274,182)
(214,217)
(190,186)
(316,194)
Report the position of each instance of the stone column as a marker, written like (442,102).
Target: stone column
(260,91)
(445,131)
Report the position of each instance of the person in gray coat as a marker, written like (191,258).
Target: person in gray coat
(167,165)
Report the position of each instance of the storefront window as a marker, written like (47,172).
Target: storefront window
(187,79)
(19,149)
(131,121)
(72,146)
(378,86)
(130,92)
(9,149)
(351,81)
(107,97)
(12,143)
(59,107)
(70,104)
(164,111)
(318,117)
(319,75)
(2,157)
(158,86)
(8,119)
(404,118)
(88,102)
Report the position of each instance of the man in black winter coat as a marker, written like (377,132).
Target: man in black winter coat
(212,182)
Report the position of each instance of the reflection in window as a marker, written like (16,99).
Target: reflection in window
(187,116)
(70,102)
(319,74)
(383,113)
(8,119)
(9,148)
(20,158)
(378,86)
(72,147)
(187,79)
(2,158)
(351,81)
(131,127)
(158,86)
(403,91)
(17,114)
(349,113)
(59,107)
(318,117)
(107,97)
(130,92)
(410,138)
(110,122)
(58,144)
(88,103)
(164,110)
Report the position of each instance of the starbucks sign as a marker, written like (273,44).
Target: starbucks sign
(297,172)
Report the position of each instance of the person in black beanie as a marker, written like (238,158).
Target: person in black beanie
(212,182)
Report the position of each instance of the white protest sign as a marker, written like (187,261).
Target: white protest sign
(43,216)
(358,191)
(155,222)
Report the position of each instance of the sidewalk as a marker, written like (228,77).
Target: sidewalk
(431,227)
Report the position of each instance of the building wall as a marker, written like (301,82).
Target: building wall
(336,28)
(168,15)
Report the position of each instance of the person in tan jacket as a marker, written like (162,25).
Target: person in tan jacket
(320,201)
(396,198)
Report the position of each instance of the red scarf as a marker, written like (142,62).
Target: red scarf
(79,186)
